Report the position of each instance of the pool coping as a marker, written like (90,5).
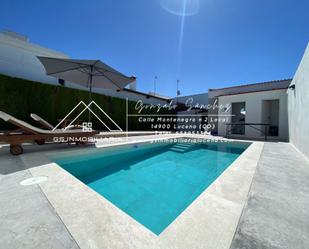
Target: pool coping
(208,222)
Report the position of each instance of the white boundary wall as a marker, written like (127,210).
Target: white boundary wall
(18,59)
(298,106)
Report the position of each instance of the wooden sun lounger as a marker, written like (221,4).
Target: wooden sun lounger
(49,126)
(42,121)
(29,133)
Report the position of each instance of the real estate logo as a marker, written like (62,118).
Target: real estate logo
(87,126)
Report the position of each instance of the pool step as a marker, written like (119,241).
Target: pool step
(183,147)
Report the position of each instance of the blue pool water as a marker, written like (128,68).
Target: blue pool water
(153,183)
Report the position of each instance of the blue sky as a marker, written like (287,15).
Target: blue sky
(223,42)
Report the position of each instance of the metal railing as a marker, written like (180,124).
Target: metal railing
(229,127)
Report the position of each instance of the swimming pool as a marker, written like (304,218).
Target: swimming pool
(153,183)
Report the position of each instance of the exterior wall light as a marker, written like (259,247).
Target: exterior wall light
(292,87)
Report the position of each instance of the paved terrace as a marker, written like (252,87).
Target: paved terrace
(276,214)
(277,211)
(27,220)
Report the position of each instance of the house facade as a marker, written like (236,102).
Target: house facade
(253,110)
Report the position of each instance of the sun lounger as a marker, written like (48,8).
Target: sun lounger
(42,121)
(49,126)
(29,133)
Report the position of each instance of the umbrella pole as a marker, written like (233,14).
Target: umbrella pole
(90,91)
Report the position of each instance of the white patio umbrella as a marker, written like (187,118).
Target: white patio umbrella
(88,73)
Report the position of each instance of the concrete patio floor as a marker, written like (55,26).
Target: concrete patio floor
(27,220)
(276,213)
